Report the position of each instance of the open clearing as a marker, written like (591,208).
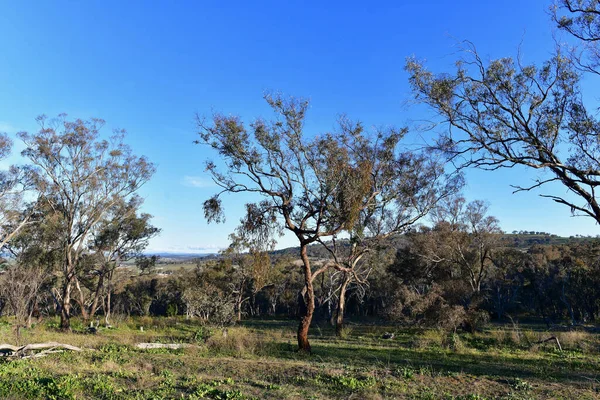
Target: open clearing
(258,361)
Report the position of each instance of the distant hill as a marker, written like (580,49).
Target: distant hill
(182,258)
(521,240)
(526,240)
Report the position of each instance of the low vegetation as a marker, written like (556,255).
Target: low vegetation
(256,361)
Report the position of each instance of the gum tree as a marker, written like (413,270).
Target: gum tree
(80,177)
(404,187)
(505,113)
(121,235)
(15,213)
(581,20)
(313,187)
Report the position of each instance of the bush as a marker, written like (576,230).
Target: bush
(210,304)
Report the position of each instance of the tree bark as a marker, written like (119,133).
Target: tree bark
(339,320)
(238,306)
(81,301)
(99,287)
(107,309)
(309,302)
(109,289)
(65,307)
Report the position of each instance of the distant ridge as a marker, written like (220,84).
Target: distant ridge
(515,240)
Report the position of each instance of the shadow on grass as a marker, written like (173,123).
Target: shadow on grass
(443,363)
(266,324)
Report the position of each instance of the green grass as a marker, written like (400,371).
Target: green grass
(257,361)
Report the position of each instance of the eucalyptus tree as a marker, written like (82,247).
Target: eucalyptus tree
(249,265)
(36,253)
(505,113)
(80,177)
(460,245)
(466,237)
(121,235)
(313,187)
(403,187)
(581,20)
(15,212)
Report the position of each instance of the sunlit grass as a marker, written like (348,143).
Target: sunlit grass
(258,360)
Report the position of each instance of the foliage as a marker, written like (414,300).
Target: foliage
(506,113)
(80,178)
(315,188)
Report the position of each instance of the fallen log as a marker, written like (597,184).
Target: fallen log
(163,345)
(552,338)
(8,348)
(29,350)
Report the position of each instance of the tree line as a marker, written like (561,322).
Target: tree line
(71,215)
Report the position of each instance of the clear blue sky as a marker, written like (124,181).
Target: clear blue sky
(149,67)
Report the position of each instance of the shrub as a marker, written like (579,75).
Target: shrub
(210,304)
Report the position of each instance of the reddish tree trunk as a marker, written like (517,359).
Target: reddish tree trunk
(309,301)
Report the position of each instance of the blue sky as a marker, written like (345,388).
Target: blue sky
(148,67)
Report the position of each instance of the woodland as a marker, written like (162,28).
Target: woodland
(397,286)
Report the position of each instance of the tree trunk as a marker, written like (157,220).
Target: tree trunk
(238,306)
(339,321)
(107,309)
(309,302)
(65,307)
(330,313)
(255,310)
(81,301)
(94,306)
(109,288)
(32,309)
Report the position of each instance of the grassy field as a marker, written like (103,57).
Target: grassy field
(257,361)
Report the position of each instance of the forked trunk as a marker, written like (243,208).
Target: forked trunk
(309,302)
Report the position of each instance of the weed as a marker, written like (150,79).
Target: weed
(405,372)
(521,385)
(345,332)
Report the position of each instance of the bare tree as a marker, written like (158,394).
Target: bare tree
(20,286)
(80,177)
(313,188)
